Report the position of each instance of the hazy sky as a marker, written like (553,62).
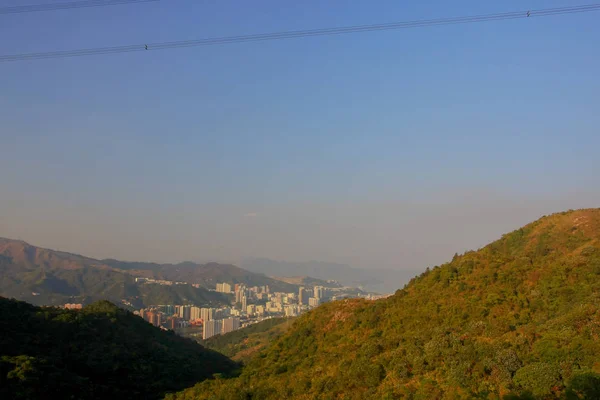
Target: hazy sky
(389,149)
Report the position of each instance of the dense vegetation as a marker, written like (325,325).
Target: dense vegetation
(96,353)
(518,319)
(55,286)
(244,343)
(48,277)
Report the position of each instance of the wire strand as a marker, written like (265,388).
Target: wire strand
(67,6)
(304,33)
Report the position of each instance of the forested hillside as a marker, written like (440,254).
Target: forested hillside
(518,319)
(243,344)
(99,352)
(48,277)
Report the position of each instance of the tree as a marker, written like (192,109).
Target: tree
(584,386)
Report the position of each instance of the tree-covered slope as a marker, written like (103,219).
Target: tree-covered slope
(100,352)
(48,277)
(207,275)
(241,345)
(517,318)
(48,285)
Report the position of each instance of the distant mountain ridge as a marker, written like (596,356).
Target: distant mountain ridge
(376,279)
(48,277)
(207,275)
(308,281)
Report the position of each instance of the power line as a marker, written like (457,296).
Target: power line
(67,5)
(304,33)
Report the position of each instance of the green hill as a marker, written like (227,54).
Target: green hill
(99,352)
(207,275)
(517,319)
(243,344)
(48,277)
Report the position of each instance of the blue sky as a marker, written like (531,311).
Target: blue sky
(163,155)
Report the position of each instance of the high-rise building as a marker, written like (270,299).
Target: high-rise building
(301,295)
(223,288)
(149,316)
(279,297)
(211,328)
(239,293)
(219,313)
(260,310)
(184,312)
(313,302)
(172,323)
(291,310)
(167,309)
(230,325)
(153,316)
(244,302)
(273,307)
(206,314)
(194,313)
(251,309)
(319,292)
(224,312)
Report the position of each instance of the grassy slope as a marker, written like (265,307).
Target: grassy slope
(520,315)
(98,352)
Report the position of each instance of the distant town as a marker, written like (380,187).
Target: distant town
(249,305)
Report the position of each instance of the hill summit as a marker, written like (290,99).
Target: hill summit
(517,319)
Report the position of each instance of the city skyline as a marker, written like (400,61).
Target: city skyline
(263,304)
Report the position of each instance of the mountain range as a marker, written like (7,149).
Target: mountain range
(517,319)
(48,277)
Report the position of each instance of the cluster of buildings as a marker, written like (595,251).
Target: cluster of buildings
(248,306)
(158,281)
(213,321)
(214,327)
(258,302)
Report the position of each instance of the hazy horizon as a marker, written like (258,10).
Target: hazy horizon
(391,235)
(391,149)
